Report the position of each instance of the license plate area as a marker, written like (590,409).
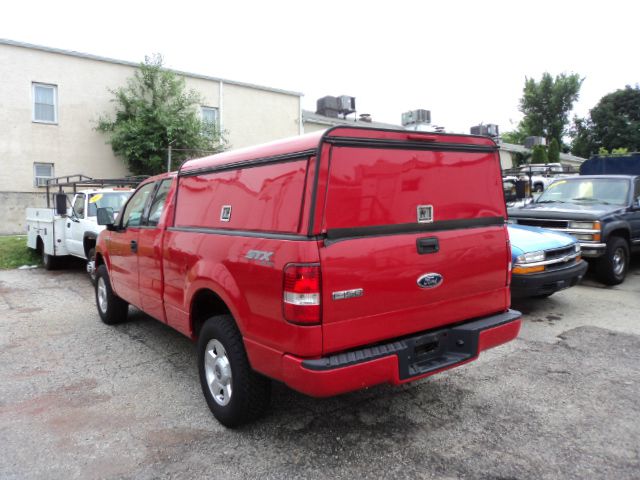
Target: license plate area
(436,350)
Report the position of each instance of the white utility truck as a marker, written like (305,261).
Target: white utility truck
(70,228)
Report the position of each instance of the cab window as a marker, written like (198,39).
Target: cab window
(132,216)
(78,206)
(157,205)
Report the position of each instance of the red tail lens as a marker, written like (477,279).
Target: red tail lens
(301,295)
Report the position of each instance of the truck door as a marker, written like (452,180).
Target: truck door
(150,241)
(123,246)
(74,226)
(635,215)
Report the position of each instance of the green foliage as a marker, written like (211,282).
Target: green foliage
(516,136)
(539,154)
(14,252)
(546,105)
(153,111)
(615,152)
(614,123)
(554,151)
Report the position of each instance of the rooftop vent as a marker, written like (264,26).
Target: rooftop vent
(336,106)
(365,117)
(416,117)
(488,130)
(531,142)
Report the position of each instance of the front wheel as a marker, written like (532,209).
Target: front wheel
(234,392)
(112,309)
(612,267)
(91,265)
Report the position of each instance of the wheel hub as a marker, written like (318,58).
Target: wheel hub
(218,372)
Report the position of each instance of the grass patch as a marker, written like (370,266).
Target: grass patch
(14,252)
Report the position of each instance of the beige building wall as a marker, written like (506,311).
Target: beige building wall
(249,115)
(71,145)
(310,127)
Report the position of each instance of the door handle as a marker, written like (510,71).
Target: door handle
(134,246)
(427,245)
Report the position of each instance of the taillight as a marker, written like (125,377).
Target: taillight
(509,264)
(301,295)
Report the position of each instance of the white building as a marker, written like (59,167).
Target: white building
(51,99)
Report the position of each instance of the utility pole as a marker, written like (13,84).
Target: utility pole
(169,158)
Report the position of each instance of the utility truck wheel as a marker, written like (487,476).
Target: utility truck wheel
(48,261)
(112,309)
(91,265)
(612,267)
(234,392)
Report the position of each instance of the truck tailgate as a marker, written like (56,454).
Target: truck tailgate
(390,269)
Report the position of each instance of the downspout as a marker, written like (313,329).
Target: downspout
(300,123)
(220,107)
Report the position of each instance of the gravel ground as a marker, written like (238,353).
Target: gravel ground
(80,399)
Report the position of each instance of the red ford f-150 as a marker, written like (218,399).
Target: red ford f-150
(331,262)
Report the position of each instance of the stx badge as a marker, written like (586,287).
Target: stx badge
(260,256)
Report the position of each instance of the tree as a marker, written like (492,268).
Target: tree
(516,136)
(554,151)
(546,105)
(155,111)
(539,154)
(614,123)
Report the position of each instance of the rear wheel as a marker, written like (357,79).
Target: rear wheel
(612,267)
(234,392)
(48,261)
(112,309)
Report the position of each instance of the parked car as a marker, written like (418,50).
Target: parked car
(331,262)
(601,211)
(543,261)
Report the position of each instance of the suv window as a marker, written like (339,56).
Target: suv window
(132,216)
(157,205)
(78,206)
(636,194)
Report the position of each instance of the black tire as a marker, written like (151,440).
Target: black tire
(91,257)
(49,262)
(613,266)
(222,360)
(544,295)
(111,308)
(538,187)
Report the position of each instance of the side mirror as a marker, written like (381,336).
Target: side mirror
(61,204)
(105,216)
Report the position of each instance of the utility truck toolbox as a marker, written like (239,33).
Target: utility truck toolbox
(331,262)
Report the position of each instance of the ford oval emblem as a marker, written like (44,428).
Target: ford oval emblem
(430,280)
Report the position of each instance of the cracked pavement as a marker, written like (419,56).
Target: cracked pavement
(80,399)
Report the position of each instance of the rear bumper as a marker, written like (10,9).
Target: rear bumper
(546,283)
(402,360)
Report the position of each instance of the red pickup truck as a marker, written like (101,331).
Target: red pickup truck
(331,262)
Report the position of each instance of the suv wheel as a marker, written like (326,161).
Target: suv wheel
(612,267)
(112,309)
(234,392)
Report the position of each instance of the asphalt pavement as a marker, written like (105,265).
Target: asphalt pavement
(80,399)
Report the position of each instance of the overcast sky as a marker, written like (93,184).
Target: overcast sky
(464,61)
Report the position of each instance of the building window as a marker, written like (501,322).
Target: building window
(42,172)
(45,103)
(210,115)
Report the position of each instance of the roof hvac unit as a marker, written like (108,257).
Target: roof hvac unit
(415,117)
(347,104)
(488,130)
(531,142)
(333,106)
